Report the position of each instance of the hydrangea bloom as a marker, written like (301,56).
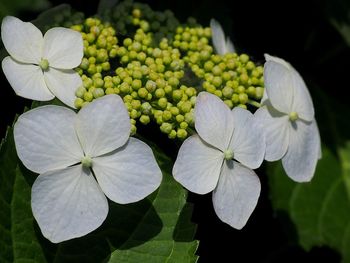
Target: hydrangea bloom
(40,67)
(221,45)
(288,119)
(71,151)
(206,161)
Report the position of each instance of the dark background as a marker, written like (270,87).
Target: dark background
(299,32)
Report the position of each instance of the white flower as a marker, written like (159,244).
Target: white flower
(40,67)
(206,162)
(71,151)
(288,120)
(221,45)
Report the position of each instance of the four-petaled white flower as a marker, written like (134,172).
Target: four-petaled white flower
(287,117)
(41,67)
(221,45)
(71,151)
(206,161)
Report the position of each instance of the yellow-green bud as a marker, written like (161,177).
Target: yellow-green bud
(181,133)
(78,103)
(88,96)
(162,103)
(44,64)
(80,92)
(293,116)
(145,119)
(166,127)
(172,134)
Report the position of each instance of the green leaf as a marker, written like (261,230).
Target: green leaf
(173,242)
(18,242)
(105,5)
(13,7)
(320,209)
(343,28)
(156,229)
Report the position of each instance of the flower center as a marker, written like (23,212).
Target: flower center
(293,116)
(44,64)
(86,161)
(228,154)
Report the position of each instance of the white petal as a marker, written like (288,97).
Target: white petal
(275,126)
(229,46)
(197,166)
(290,81)
(26,80)
(128,174)
(218,37)
(302,102)
(22,40)
(63,84)
(303,151)
(103,125)
(46,140)
(279,85)
(68,203)
(236,195)
(248,140)
(63,48)
(213,120)
(278,60)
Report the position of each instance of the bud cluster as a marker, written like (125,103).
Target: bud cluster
(146,57)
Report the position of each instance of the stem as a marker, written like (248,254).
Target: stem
(254,103)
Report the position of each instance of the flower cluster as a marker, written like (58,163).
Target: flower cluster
(179,80)
(159,77)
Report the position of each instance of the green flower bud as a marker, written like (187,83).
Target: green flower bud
(172,134)
(136,84)
(146,108)
(88,96)
(181,133)
(166,115)
(125,87)
(243,98)
(116,80)
(259,92)
(174,82)
(186,106)
(78,103)
(127,42)
(98,92)
(217,81)
(133,130)
(162,103)
(150,85)
(98,83)
(244,78)
(227,92)
(84,64)
(144,119)
(160,93)
(110,91)
(177,95)
(166,127)
(229,103)
(183,125)
(244,58)
(179,118)
(242,106)
(217,71)
(134,114)
(240,89)
(80,92)
(235,98)
(142,92)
